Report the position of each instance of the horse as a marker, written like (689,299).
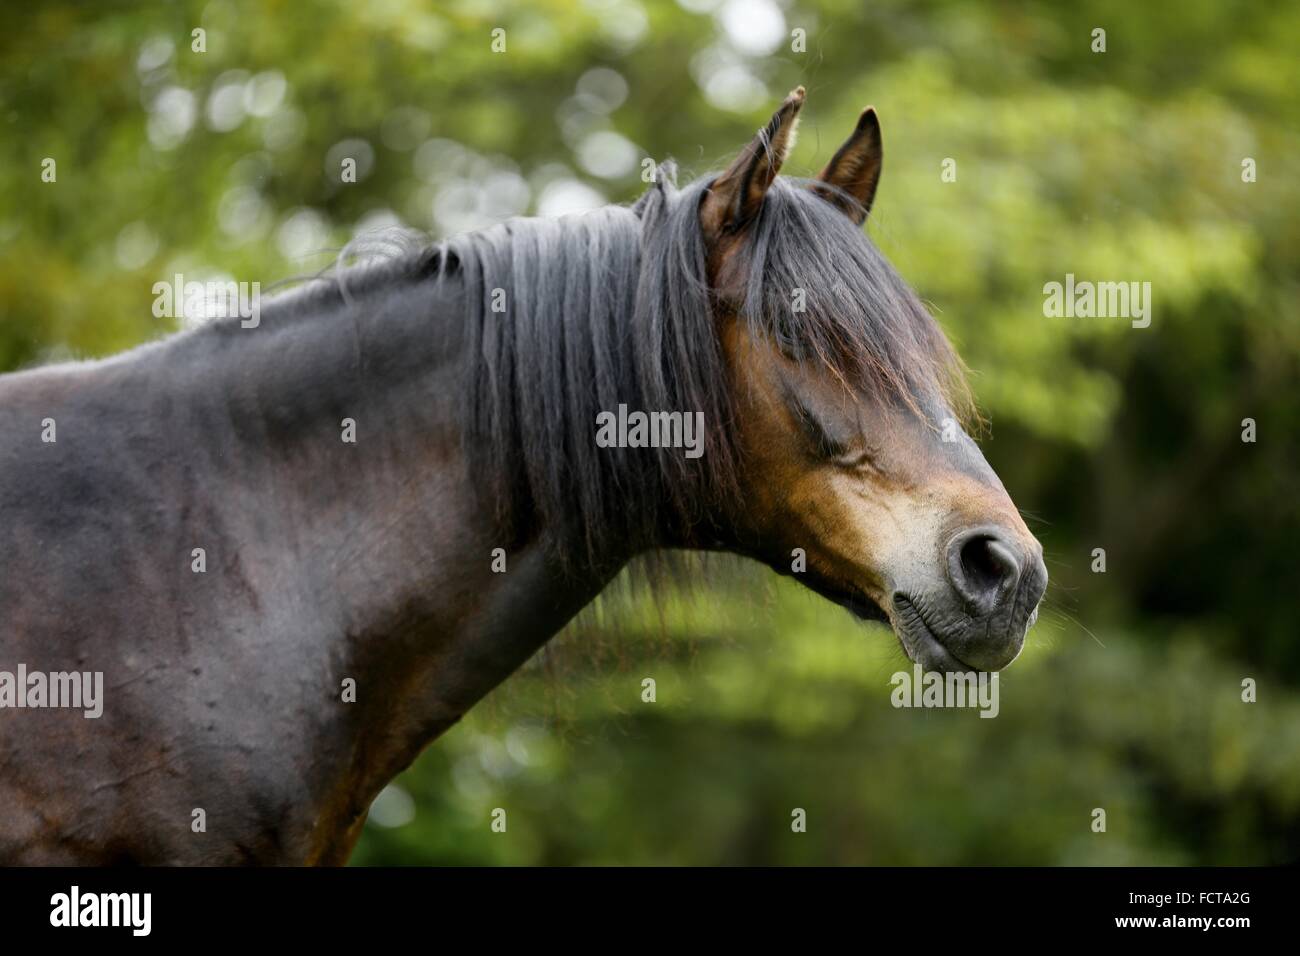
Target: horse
(297,553)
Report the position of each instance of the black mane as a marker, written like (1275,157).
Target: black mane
(613,307)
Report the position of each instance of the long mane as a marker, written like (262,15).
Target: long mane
(574,316)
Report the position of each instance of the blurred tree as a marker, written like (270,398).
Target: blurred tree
(219,153)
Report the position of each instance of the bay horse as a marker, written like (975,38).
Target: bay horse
(359,596)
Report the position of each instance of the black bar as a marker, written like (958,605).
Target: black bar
(437,906)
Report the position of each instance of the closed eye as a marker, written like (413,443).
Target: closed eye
(851,454)
(862,461)
(833,433)
(825,446)
(855,459)
(831,441)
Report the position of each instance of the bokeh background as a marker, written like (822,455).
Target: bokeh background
(1123,165)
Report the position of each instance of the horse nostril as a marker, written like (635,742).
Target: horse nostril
(984,567)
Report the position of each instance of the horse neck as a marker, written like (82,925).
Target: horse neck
(375,555)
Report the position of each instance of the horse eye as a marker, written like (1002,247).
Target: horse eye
(854,459)
(829,439)
(841,452)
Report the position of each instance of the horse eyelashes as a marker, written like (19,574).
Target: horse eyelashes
(826,446)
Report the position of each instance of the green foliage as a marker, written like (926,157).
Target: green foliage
(765,706)
(1123,165)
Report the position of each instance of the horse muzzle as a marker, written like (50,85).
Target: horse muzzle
(978,621)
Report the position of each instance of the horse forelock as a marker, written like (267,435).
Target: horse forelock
(817,287)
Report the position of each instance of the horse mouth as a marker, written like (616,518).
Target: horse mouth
(919,641)
(917,638)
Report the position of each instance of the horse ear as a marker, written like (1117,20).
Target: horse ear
(855,169)
(735,197)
